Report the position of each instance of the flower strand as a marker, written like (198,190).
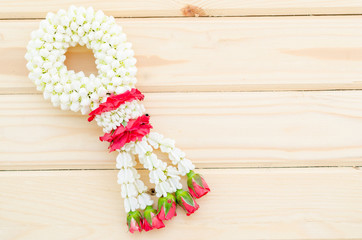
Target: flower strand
(166,178)
(176,155)
(134,190)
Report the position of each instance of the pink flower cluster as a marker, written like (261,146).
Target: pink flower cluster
(167,206)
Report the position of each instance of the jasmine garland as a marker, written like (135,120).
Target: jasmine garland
(111,99)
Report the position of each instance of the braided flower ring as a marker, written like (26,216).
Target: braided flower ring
(111,99)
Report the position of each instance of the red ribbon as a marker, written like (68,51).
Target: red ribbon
(114,101)
(136,129)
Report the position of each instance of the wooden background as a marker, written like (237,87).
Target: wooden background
(264,96)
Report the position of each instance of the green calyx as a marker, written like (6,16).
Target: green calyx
(185,196)
(150,209)
(171,197)
(192,176)
(136,215)
(161,202)
(124,123)
(147,214)
(166,202)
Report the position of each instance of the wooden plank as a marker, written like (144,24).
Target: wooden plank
(143,8)
(243,204)
(252,129)
(218,54)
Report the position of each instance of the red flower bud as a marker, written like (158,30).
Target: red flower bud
(186,201)
(167,207)
(151,220)
(197,185)
(134,221)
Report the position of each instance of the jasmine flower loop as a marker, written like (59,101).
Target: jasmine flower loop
(74,91)
(111,99)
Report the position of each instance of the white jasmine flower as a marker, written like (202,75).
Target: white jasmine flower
(153,139)
(185,166)
(126,204)
(166,144)
(144,200)
(75,106)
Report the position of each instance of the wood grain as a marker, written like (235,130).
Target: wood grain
(251,129)
(170,8)
(243,204)
(219,54)
(220,88)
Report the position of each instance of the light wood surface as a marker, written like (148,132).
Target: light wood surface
(243,204)
(248,97)
(245,129)
(161,8)
(218,54)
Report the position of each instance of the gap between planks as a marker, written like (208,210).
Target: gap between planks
(196,169)
(170,8)
(232,16)
(254,203)
(269,129)
(213,92)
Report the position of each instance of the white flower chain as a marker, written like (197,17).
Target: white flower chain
(111,120)
(114,58)
(133,189)
(116,74)
(166,178)
(176,155)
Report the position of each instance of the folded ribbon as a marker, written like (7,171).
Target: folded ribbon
(135,129)
(114,101)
